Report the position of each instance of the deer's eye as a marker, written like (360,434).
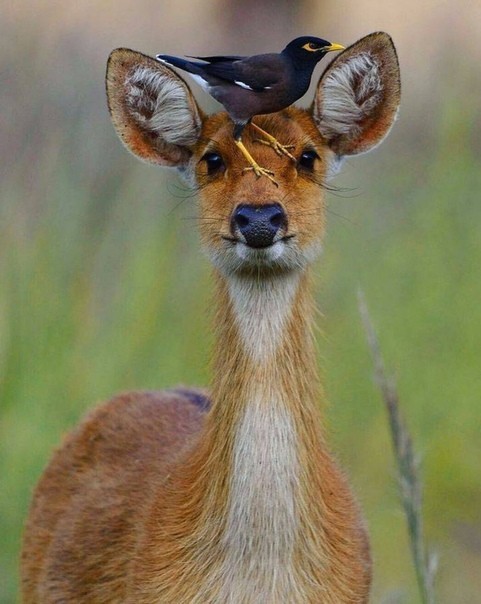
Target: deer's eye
(214,163)
(308,159)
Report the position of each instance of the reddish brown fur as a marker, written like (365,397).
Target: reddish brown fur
(119,451)
(293,126)
(134,505)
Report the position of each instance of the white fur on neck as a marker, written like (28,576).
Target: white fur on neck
(262,309)
(262,518)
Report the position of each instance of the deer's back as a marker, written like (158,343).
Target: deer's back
(86,510)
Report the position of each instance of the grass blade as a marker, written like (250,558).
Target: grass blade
(410,486)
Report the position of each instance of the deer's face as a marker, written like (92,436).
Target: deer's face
(247,222)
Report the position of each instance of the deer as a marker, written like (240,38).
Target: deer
(226,495)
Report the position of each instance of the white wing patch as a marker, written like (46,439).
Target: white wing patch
(247,87)
(242,85)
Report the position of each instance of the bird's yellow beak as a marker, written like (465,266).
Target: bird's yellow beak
(334,47)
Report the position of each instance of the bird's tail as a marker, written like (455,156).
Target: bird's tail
(189,66)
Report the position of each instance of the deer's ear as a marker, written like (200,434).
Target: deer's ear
(152,108)
(358,96)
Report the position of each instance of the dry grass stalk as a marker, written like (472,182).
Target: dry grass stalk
(410,487)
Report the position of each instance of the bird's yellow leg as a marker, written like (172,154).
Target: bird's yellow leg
(270,141)
(258,170)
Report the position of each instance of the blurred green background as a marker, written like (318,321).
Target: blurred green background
(102,287)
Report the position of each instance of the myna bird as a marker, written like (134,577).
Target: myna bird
(249,86)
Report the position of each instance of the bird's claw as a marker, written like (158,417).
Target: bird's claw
(278,147)
(259,171)
(271,141)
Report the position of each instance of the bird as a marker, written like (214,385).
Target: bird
(258,84)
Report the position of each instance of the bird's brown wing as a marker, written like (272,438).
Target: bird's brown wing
(221,59)
(257,73)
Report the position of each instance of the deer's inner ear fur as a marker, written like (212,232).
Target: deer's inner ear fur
(358,96)
(152,109)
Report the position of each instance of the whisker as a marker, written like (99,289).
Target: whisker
(176,206)
(186,191)
(337,192)
(340,216)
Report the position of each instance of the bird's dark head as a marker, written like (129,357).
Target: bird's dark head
(308,49)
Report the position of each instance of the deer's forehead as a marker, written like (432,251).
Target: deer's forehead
(292,126)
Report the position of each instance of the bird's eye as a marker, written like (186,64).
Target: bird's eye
(214,162)
(308,159)
(311,46)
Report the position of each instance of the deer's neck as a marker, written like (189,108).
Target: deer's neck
(265,424)
(258,511)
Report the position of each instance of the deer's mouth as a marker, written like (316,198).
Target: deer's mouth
(260,254)
(238,256)
(257,246)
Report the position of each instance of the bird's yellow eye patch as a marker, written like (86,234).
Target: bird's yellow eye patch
(311,47)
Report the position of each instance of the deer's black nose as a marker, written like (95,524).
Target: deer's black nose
(258,224)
